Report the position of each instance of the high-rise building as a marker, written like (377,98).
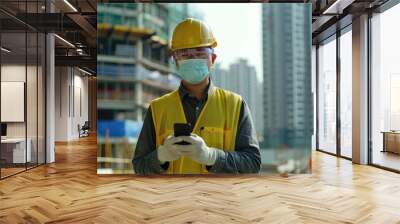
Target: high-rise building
(241,78)
(259,117)
(219,76)
(287,75)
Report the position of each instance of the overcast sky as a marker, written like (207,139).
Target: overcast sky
(237,28)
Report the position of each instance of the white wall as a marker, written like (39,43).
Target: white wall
(81,94)
(71,87)
(16,73)
(61,103)
(33,126)
(10,73)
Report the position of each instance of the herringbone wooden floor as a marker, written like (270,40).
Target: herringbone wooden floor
(69,191)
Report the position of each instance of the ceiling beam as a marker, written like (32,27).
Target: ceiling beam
(79,61)
(85,25)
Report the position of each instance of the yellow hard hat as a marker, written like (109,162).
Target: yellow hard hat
(192,33)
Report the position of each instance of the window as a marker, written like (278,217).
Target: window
(327,96)
(385,89)
(346,93)
(313,88)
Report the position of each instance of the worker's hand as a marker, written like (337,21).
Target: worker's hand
(287,167)
(168,151)
(198,150)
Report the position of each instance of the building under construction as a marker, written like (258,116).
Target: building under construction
(133,69)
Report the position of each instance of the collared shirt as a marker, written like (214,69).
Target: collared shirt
(245,159)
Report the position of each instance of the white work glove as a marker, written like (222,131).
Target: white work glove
(287,167)
(167,151)
(198,150)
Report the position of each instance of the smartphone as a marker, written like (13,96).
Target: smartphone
(182,129)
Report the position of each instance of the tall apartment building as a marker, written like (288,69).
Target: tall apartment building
(242,78)
(287,97)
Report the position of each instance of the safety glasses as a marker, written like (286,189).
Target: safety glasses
(193,53)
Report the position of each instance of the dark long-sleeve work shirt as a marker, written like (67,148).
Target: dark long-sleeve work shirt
(245,159)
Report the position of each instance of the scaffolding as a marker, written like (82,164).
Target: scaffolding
(133,69)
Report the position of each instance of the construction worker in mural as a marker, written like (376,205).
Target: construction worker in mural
(198,128)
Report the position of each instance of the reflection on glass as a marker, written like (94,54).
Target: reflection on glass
(327,96)
(346,94)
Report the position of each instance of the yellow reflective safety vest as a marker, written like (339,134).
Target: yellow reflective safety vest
(217,124)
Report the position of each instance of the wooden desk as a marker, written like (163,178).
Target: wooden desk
(391,141)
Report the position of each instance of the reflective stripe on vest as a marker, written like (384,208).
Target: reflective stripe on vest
(216,124)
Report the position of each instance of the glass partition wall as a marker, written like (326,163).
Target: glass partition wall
(22,77)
